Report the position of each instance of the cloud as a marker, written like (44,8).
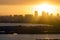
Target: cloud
(27,2)
(21,2)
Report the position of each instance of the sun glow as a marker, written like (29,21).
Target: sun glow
(45,7)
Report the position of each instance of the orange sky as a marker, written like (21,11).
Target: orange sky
(8,7)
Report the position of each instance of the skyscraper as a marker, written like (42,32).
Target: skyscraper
(44,13)
(36,13)
(57,14)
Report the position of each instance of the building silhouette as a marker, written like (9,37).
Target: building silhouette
(36,13)
(28,18)
(57,14)
(44,14)
(51,15)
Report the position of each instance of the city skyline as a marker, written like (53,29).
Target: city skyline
(11,7)
(36,14)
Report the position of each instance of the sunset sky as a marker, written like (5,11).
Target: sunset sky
(11,7)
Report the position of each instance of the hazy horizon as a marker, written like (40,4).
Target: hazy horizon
(11,7)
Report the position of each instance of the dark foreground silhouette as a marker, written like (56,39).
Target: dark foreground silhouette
(47,39)
(29,30)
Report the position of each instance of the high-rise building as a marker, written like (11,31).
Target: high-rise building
(51,14)
(36,13)
(57,14)
(44,13)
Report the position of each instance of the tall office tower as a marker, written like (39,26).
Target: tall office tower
(57,14)
(36,13)
(51,14)
(43,13)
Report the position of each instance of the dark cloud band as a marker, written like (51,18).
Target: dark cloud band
(27,2)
